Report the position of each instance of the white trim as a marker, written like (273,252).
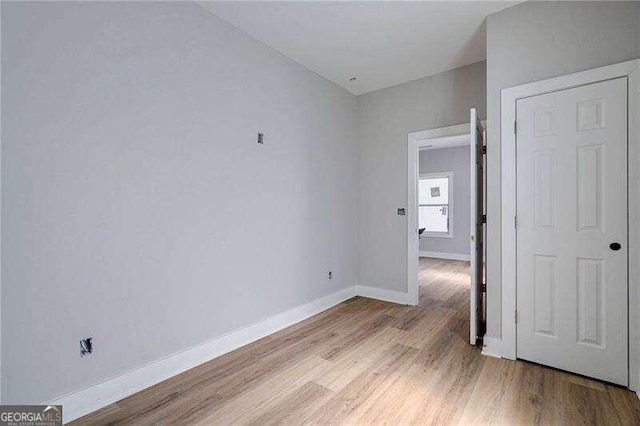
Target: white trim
(413,140)
(444,142)
(442,255)
(509,96)
(413,236)
(100,395)
(492,347)
(442,132)
(449,176)
(489,354)
(383,294)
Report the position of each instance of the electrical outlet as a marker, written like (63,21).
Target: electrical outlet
(330,275)
(261,138)
(86,347)
(401,212)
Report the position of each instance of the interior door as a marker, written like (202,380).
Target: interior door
(571,228)
(476,249)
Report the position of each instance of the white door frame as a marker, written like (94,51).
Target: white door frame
(415,141)
(509,97)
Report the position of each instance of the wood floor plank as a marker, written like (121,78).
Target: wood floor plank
(412,400)
(490,394)
(359,335)
(297,408)
(262,399)
(359,359)
(587,406)
(535,396)
(367,362)
(355,399)
(625,404)
(460,372)
(424,333)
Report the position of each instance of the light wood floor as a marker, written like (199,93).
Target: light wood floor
(371,362)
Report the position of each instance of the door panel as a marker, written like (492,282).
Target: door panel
(590,187)
(544,303)
(571,205)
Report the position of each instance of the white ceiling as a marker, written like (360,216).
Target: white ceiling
(380,43)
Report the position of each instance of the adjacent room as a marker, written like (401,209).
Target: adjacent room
(444,194)
(320,212)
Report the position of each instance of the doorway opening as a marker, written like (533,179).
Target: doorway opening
(445,266)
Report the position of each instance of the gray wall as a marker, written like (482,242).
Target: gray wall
(137,206)
(385,118)
(534,41)
(455,160)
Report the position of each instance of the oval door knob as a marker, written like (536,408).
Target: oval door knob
(615,246)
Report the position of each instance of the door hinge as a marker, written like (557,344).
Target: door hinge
(515,222)
(516,315)
(484,288)
(515,127)
(484,218)
(484,149)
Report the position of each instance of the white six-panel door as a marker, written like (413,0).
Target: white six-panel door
(571,211)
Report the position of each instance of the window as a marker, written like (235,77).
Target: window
(434,204)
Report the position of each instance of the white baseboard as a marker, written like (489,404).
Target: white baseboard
(382,294)
(492,347)
(90,399)
(442,255)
